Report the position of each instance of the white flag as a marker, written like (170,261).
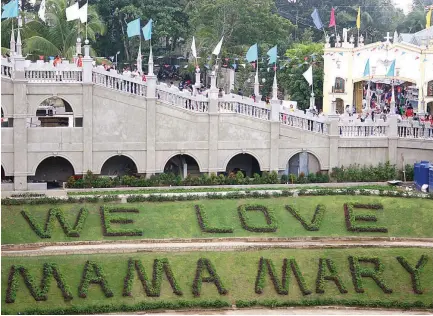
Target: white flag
(308,75)
(194,51)
(73,12)
(217,49)
(83,13)
(41,11)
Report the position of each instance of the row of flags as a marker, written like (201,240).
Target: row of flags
(332,22)
(74,12)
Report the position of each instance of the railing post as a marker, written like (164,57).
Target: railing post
(213,135)
(87,63)
(392,139)
(334,137)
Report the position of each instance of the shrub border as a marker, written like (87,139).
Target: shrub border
(159,197)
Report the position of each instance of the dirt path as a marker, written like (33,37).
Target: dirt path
(199,246)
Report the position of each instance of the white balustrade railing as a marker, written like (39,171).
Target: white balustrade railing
(54,75)
(122,83)
(415,130)
(363,129)
(182,99)
(256,110)
(6,68)
(307,123)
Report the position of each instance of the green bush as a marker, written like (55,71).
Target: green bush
(357,173)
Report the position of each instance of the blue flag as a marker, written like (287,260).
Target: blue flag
(391,70)
(272,53)
(252,53)
(133,28)
(367,68)
(316,19)
(147,30)
(10,10)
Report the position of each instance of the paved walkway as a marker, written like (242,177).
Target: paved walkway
(199,246)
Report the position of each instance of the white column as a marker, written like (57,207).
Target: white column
(256,82)
(87,63)
(12,43)
(150,70)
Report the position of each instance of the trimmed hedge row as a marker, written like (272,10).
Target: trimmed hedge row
(206,264)
(142,306)
(351,218)
(414,272)
(204,224)
(107,219)
(332,276)
(49,223)
(213,196)
(271,221)
(315,222)
(93,274)
(39,293)
(330,302)
(266,265)
(358,272)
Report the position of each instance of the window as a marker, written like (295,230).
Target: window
(339,85)
(430,89)
(78,122)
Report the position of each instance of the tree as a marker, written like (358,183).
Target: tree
(58,36)
(291,79)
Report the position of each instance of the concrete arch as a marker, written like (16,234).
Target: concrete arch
(230,156)
(167,159)
(113,155)
(34,107)
(7,174)
(35,166)
(5,113)
(310,152)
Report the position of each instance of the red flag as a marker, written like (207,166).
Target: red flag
(332,20)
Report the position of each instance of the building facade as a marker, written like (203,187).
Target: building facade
(63,121)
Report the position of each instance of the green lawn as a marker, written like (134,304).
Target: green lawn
(219,189)
(402,217)
(237,270)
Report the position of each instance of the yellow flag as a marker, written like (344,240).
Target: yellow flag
(428,19)
(358,19)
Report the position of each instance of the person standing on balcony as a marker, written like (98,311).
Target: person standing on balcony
(57,61)
(80,60)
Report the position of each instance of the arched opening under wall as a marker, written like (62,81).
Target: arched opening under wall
(5,178)
(119,166)
(245,163)
(303,162)
(54,171)
(339,105)
(53,112)
(182,165)
(6,121)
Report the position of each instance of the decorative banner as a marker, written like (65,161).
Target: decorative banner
(358,54)
(235,66)
(243,65)
(342,54)
(417,57)
(236,58)
(207,66)
(396,50)
(403,53)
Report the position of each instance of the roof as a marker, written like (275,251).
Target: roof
(417,37)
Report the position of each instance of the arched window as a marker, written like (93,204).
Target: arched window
(119,166)
(245,163)
(182,165)
(339,85)
(53,112)
(430,88)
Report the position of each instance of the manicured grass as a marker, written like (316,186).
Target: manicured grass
(219,189)
(402,217)
(237,270)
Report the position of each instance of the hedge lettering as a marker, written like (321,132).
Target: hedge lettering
(414,272)
(359,272)
(203,222)
(266,266)
(271,221)
(93,274)
(325,263)
(39,293)
(152,288)
(351,218)
(314,225)
(107,219)
(49,223)
(205,264)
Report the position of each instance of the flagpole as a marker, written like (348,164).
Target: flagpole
(87,22)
